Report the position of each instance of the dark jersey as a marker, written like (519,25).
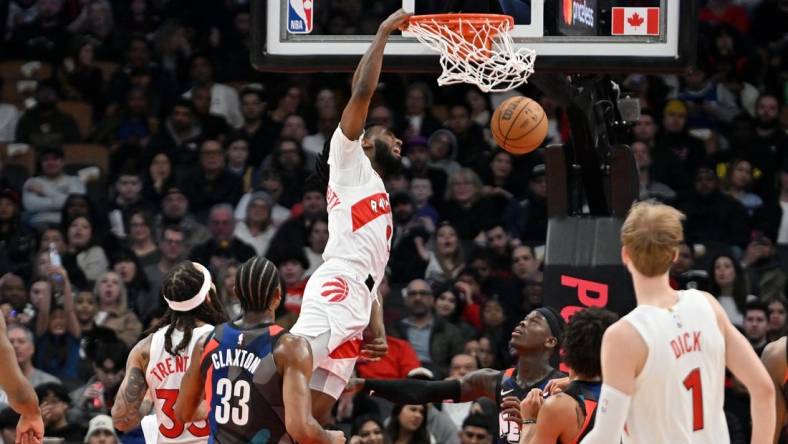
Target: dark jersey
(587,396)
(243,386)
(509,431)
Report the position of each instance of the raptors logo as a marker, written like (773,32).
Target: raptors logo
(335,289)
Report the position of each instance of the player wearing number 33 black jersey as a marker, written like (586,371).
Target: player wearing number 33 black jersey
(251,372)
(158,363)
(663,364)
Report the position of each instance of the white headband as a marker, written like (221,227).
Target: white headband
(199,298)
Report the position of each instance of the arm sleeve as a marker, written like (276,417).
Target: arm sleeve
(345,153)
(413,391)
(611,414)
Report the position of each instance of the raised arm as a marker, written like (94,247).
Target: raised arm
(128,410)
(294,361)
(365,79)
(72,323)
(478,384)
(745,365)
(21,396)
(191,395)
(774,359)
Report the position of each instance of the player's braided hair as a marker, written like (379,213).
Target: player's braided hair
(256,284)
(181,284)
(583,340)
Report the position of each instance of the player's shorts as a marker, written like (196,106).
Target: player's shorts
(334,313)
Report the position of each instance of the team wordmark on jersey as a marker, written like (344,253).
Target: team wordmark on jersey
(369,208)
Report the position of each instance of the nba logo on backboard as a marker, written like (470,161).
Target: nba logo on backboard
(299,16)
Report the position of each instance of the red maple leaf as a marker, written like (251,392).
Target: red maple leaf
(635,21)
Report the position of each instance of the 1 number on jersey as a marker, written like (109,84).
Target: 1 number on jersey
(169,396)
(693,382)
(239,391)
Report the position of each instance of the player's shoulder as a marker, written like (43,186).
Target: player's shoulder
(775,350)
(622,335)
(291,350)
(339,138)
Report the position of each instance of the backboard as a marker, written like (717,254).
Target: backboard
(567,35)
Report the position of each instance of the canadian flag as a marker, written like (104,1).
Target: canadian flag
(635,21)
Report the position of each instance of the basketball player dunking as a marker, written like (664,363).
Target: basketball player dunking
(21,396)
(775,358)
(254,375)
(340,297)
(157,364)
(663,364)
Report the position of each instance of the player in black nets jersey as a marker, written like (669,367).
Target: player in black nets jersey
(566,417)
(254,375)
(535,340)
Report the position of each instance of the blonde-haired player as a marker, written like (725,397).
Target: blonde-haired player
(663,364)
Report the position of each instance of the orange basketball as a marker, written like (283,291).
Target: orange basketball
(519,125)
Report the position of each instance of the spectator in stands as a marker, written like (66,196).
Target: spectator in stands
(55,402)
(17,243)
(408,424)
(269,181)
(443,150)
(81,79)
(257,128)
(12,176)
(709,105)
(257,230)
(96,21)
(223,244)
(499,245)
(238,161)
(288,159)
(175,211)
(44,125)
(114,312)
(101,430)
(466,209)
(477,429)
(296,229)
(141,237)
(43,196)
(713,217)
(140,295)
(717,12)
(729,285)
(54,236)
(445,259)
(527,219)
(682,272)
(470,137)
(214,126)
(90,257)
(460,366)
(292,265)
(22,340)
(756,324)
(434,340)
(367,429)
(44,38)
(224,99)
(421,191)
(418,118)
(764,272)
(160,177)
(172,246)
(137,61)
(180,135)
(211,183)
(665,165)
(127,131)
(764,146)
(326,125)
(316,243)
(409,252)
(676,139)
(381,115)
(738,179)
(86,308)
(93,398)
(778,307)
(128,194)
(294,127)
(525,265)
(649,188)
(9,116)
(418,155)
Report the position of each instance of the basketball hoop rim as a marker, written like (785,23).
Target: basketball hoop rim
(455,19)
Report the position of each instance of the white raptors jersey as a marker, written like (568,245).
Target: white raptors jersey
(679,393)
(164,375)
(359,216)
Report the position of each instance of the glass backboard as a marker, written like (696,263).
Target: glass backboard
(567,35)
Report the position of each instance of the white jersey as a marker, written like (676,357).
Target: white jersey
(164,375)
(679,393)
(359,215)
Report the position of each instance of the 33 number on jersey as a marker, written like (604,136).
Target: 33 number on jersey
(233,402)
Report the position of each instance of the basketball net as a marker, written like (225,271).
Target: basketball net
(475,49)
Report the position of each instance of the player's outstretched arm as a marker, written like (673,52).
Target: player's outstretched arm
(742,361)
(21,396)
(127,411)
(619,370)
(190,395)
(478,384)
(774,359)
(293,358)
(365,79)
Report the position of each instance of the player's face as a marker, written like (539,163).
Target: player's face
(387,150)
(532,332)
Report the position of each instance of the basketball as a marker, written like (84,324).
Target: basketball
(519,125)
